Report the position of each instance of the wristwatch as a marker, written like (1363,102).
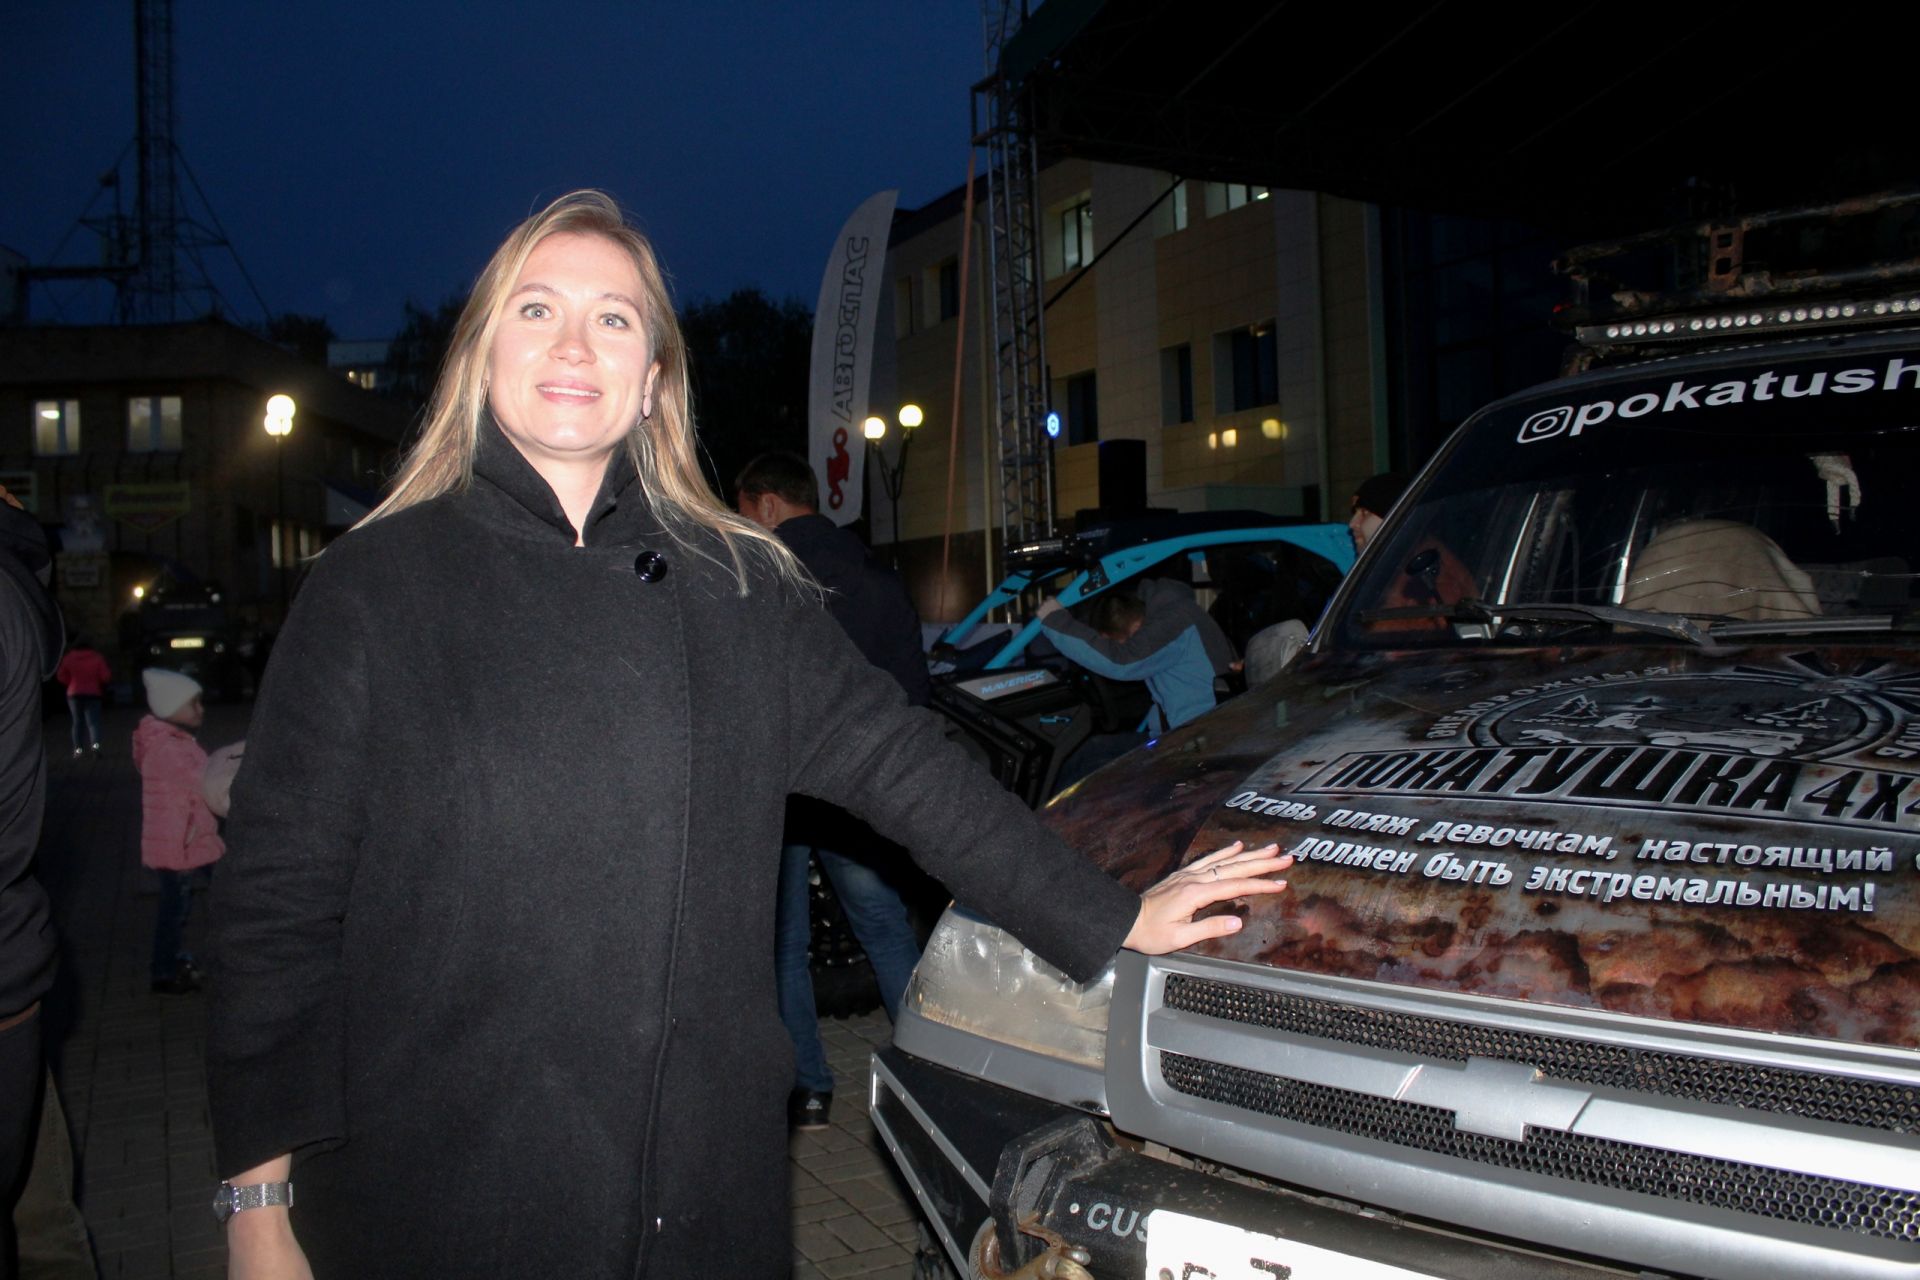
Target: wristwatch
(230,1199)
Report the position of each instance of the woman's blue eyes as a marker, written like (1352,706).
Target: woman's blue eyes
(541,311)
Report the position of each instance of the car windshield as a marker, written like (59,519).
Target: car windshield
(1733,501)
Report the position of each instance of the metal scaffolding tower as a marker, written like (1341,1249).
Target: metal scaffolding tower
(1002,126)
(155,256)
(170,280)
(151,292)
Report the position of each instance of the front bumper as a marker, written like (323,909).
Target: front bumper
(1052,1179)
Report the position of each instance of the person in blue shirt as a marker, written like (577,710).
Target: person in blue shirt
(1161,636)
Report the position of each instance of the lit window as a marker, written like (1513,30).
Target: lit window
(1171,214)
(1225,196)
(1076,235)
(292,544)
(56,427)
(153,424)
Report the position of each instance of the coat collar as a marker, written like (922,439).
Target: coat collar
(512,492)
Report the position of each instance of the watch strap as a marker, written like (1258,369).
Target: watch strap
(253,1195)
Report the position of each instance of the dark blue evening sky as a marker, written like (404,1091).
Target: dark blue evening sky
(361,154)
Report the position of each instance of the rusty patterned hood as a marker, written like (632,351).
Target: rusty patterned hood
(1725,838)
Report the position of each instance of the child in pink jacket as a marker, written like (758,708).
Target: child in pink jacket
(178,834)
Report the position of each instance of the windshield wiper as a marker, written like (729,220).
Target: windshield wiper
(1669,624)
(1880,622)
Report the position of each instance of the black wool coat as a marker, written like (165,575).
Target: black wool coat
(30,641)
(494,932)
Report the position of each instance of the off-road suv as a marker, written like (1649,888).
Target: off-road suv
(1601,953)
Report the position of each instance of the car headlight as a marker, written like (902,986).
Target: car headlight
(977,978)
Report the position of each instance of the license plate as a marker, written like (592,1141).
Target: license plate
(1180,1247)
(188,642)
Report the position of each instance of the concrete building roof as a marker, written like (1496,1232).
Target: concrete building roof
(208,350)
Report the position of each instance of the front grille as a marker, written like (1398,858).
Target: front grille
(1721,1184)
(1868,1104)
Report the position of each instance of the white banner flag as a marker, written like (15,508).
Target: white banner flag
(850,294)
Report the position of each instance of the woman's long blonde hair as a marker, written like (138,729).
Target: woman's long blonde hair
(662,447)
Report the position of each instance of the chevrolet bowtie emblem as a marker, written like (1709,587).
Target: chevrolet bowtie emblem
(1495,1098)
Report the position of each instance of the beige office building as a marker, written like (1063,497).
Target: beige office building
(1234,331)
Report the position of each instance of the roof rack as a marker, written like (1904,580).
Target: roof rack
(1854,264)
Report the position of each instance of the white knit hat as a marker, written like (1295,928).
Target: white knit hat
(168,691)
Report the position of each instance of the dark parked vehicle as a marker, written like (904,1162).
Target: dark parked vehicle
(188,627)
(1601,952)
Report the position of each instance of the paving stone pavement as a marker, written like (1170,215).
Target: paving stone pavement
(131,1069)
(851,1214)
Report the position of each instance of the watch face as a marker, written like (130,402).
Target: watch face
(223,1202)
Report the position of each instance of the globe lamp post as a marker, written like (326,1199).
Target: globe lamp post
(279,425)
(892,477)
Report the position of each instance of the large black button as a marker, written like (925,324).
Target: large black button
(651,566)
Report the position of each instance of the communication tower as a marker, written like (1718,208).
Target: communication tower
(156,255)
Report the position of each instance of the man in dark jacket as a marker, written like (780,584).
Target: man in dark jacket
(30,643)
(778,492)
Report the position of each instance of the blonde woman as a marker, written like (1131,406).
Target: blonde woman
(494,984)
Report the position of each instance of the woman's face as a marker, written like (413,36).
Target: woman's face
(571,368)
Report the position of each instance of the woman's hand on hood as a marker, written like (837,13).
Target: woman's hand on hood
(1166,922)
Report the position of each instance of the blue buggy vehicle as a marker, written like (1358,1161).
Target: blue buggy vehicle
(1022,709)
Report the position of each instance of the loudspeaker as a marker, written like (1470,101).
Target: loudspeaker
(1123,477)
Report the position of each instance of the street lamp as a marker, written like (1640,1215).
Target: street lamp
(279,425)
(875,429)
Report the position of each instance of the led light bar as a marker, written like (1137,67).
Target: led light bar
(1800,315)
